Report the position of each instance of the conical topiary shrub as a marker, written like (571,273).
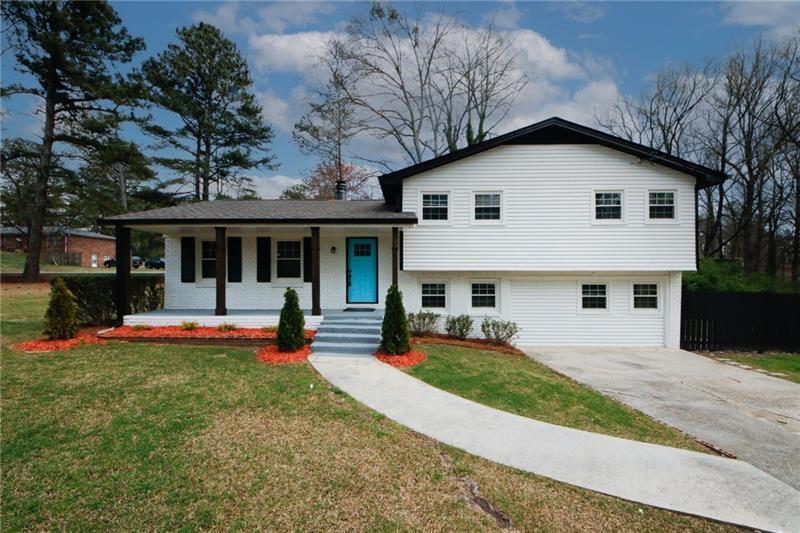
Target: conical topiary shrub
(394,331)
(291,328)
(59,320)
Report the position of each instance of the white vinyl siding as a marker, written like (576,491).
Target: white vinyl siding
(548,217)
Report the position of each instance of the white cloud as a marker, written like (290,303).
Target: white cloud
(273,186)
(228,18)
(279,16)
(295,52)
(276,110)
(275,17)
(537,56)
(505,18)
(584,12)
(780,19)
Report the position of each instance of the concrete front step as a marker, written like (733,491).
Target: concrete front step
(344,347)
(358,338)
(340,354)
(349,331)
(351,322)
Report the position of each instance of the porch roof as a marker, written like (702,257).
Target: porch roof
(311,212)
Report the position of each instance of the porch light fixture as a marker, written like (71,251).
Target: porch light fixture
(333,249)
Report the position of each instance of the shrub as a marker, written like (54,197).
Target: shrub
(141,327)
(394,330)
(423,323)
(95,296)
(59,319)
(291,334)
(497,330)
(730,276)
(226,327)
(189,326)
(459,327)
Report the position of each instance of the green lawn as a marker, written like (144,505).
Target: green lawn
(134,436)
(784,363)
(520,385)
(15,262)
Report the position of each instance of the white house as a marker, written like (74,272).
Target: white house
(578,236)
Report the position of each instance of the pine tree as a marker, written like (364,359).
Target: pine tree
(394,330)
(66,48)
(291,328)
(205,81)
(59,320)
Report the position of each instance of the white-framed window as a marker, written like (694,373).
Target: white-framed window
(434,295)
(661,205)
(484,294)
(594,296)
(645,296)
(487,206)
(608,206)
(436,206)
(288,259)
(208,259)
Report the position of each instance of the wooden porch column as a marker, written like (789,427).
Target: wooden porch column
(123,277)
(395,247)
(316,310)
(220,262)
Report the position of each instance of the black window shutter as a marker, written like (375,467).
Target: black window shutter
(263,259)
(187,259)
(234,259)
(401,250)
(306,258)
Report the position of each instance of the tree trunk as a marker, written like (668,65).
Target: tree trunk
(123,187)
(197,191)
(31,272)
(207,170)
(796,235)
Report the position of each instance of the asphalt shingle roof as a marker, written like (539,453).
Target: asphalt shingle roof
(270,211)
(53,230)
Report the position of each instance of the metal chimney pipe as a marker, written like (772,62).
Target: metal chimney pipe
(341,190)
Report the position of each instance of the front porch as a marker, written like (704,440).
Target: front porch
(223,267)
(243,318)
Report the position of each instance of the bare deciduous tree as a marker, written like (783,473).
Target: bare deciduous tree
(430,84)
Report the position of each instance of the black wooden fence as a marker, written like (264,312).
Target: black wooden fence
(740,321)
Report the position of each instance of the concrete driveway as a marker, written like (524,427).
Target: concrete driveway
(754,416)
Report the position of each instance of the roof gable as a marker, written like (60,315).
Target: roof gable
(553,131)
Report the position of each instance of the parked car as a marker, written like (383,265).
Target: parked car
(136,261)
(154,262)
(111,262)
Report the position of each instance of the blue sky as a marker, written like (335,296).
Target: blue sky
(579,56)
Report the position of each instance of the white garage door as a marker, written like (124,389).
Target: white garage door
(549,312)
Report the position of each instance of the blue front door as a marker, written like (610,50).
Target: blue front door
(362,270)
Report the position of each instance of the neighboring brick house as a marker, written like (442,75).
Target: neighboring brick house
(63,246)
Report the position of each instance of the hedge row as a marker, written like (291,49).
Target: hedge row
(95,296)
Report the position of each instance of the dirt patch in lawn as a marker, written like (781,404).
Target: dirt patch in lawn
(477,344)
(25,289)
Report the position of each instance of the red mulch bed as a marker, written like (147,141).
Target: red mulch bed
(409,358)
(274,356)
(175,332)
(85,336)
(478,344)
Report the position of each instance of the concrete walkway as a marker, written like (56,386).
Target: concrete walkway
(688,482)
(754,416)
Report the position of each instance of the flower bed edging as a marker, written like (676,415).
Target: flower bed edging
(200,335)
(408,359)
(477,344)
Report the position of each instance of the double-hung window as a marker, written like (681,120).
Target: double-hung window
(288,259)
(608,205)
(484,294)
(661,205)
(434,295)
(435,206)
(487,206)
(645,296)
(208,259)
(594,296)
